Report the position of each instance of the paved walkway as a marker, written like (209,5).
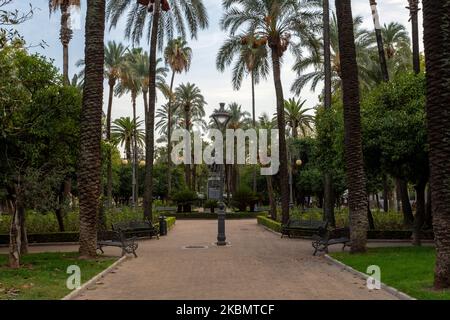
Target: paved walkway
(257,265)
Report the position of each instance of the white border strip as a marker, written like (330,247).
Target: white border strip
(391,290)
(92,281)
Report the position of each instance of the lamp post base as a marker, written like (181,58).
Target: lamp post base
(221,237)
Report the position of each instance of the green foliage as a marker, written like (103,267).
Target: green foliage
(269,223)
(185,196)
(211,204)
(243,198)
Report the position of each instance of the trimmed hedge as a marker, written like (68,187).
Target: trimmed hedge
(371,234)
(54,237)
(196,215)
(269,223)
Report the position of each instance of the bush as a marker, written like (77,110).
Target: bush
(269,223)
(185,199)
(211,204)
(243,198)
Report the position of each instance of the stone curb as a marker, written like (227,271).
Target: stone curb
(391,290)
(92,281)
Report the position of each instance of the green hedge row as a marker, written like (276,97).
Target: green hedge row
(197,215)
(53,237)
(269,223)
(371,234)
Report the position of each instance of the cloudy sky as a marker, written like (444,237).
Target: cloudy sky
(215,86)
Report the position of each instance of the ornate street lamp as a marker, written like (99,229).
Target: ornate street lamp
(221,117)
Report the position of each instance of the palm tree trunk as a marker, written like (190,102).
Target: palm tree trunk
(187,166)
(437,52)
(272,204)
(328,201)
(419,218)
(284,179)
(414,9)
(135,151)
(65,36)
(112,83)
(356,180)
(169,136)
(91,122)
(150,125)
(381,53)
(254,124)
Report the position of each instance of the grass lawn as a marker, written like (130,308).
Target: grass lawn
(408,269)
(43,276)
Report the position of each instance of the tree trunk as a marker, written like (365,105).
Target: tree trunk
(385,193)
(381,53)
(254,125)
(112,83)
(15,239)
(419,218)
(272,204)
(414,9)
(65,35)
(135,151)
(150,127)
(91,122)
(328,207)
(428,212)
(187,166)
(357,199)
(283,172)
(370,216)
(437,52)
(408,217)
(169,136)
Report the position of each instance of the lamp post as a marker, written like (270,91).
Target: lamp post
(221,117)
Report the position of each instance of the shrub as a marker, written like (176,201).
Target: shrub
(185,199)
(269,223)
(211,204)
(243,198)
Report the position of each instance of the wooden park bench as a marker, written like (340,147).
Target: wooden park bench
(326,238)
(311,227)
(125,234)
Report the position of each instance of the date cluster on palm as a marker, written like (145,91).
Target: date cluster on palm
(150,4)
(254,42)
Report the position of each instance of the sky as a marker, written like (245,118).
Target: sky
(215,86)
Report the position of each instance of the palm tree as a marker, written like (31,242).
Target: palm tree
(328,201)
(65,34)
(437,52)
(178,56)
(123,133)
(357,199)
(413,11)
(379,39)
(249,55)
(311,69)
(114,59)
(297,117)
(91,122)
(275,22)
(190,102)
(160,26)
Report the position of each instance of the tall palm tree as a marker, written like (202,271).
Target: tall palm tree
(161,26)
(311,69)
(250,56)
(276,22)
(91,122)
(297,117)
(190,101)
(65,34)
(436,16)
(328,201)
(178,56)
(413,11)
(123,133)
(114,59)
(357,199)
(379,39)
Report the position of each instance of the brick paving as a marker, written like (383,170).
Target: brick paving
(257,265)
